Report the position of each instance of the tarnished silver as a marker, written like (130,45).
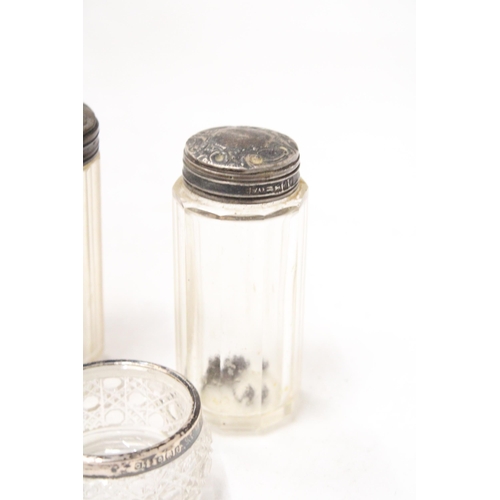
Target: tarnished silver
(90,134)
(153,457)
(241,164)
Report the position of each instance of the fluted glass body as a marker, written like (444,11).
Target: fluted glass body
(239,283)
(92,267)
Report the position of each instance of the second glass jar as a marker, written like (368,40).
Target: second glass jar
(239,236)
(93,325)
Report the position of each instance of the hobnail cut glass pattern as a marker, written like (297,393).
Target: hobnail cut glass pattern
(133,401)
(181,479)
(153,408)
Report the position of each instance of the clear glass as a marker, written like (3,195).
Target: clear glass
(131,410)
(239,286)
(93,325)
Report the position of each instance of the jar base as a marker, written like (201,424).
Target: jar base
(251,424)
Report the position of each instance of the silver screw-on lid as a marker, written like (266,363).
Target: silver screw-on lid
(241,164)
(90,134)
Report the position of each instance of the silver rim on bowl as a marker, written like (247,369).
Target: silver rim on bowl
(162,453)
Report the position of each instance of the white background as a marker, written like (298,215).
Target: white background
(339,78)
(442,284)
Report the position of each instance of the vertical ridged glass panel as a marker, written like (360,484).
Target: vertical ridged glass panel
(92,266)
(239,273)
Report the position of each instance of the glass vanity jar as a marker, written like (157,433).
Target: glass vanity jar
(92,273)
(143,433)
(239,240)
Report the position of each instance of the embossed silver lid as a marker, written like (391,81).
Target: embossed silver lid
(241,164)
(90,134)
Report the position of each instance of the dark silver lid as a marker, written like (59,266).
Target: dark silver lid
(90,134)
(241,164)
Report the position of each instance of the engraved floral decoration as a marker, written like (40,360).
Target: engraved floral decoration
(241,163)
(241,148)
